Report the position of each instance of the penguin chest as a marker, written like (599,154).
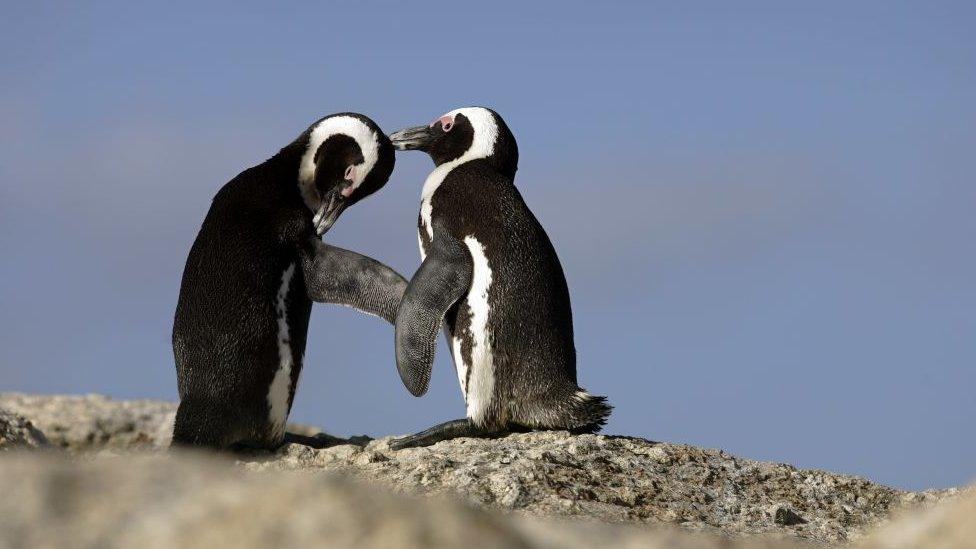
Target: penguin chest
(471,341)
(280,390)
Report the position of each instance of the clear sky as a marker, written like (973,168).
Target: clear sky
(765,211)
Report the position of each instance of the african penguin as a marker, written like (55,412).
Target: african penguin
(254,269)
(491,273)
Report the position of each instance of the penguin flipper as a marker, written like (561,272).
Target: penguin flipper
(442,279)
(335,275)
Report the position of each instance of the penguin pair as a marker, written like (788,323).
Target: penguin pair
(489,274)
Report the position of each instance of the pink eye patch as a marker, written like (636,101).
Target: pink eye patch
(350,176)
(447,122)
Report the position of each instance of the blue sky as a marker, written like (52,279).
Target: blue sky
(765,212)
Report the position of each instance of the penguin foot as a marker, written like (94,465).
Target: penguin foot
(319,441)
(445,431)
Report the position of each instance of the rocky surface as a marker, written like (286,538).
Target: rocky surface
(201,501)
(591,479)
(17,432)
(94,422)
(619,479)
(951,524)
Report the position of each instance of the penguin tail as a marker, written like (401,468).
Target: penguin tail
(587,413)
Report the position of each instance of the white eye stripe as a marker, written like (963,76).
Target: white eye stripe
(341,125)
(485,131)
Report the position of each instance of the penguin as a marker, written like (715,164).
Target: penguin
(491,274)
(252,274)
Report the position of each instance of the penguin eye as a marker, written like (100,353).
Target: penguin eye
(447,122)
(350,173)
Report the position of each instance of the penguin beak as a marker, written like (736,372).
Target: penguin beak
(333,204)
(411,139)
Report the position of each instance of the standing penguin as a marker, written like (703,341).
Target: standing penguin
(252,274)
(491,274)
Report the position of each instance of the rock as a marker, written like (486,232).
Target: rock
(619,479)
(951,524)
(94,421)
(201,501)
(16,432)
(596,478)
(788,517)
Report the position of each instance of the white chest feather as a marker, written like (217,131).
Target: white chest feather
(480,384)
(431,184)
(460,365)
(280,389)
(420,244)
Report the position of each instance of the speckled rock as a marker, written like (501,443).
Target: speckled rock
(200,501)
(607,479)
(94,421)
(619,479)
(17,433)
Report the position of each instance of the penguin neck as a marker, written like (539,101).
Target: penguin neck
(490,162)
(499,160)
(285,167)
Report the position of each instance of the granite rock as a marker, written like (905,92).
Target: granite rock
(594,479)
(17,432)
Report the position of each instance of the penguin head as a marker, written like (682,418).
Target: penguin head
(347,157)
(464,134)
